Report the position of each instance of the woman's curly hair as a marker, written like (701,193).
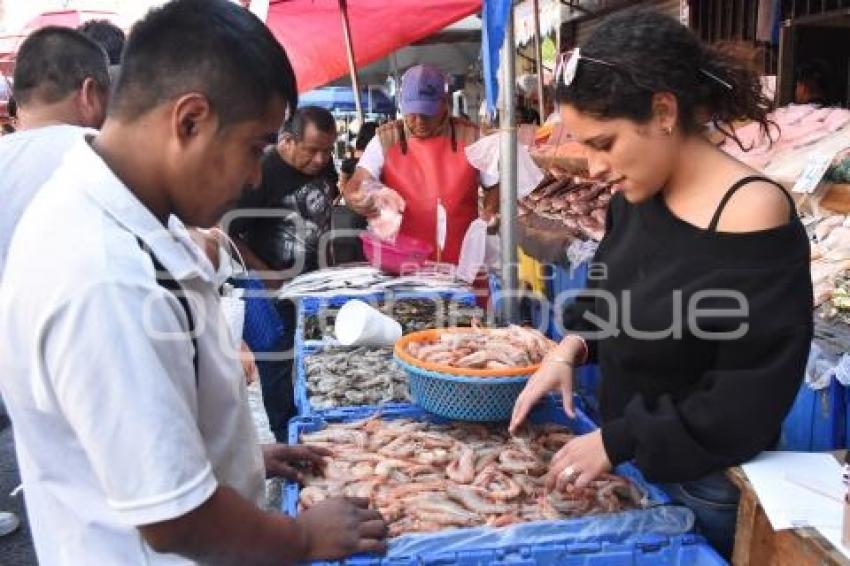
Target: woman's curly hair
(650,53)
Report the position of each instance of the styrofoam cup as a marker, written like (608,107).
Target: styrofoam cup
(359,324)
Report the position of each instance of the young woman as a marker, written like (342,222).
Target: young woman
(701,317)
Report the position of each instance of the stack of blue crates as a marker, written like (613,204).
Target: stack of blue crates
(817,421)
(308,306)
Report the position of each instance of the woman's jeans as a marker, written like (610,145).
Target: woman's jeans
(714,501)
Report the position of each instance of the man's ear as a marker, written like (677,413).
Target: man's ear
(192,116)
(91,103)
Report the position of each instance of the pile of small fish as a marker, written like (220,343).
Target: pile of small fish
(424,477)
(364,278)
(580,205)
(497,348)
(344,377)
(412,314)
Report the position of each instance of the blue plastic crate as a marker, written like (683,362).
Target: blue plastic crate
(302,397)
(683,550)
(818,419)
(656,550)
(311,305)
(646,550)
(562,287)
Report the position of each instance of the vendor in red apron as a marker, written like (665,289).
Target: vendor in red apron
(422,158)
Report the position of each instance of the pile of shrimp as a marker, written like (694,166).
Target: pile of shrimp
(478,348)
(424,477)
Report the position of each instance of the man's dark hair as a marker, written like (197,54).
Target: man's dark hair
(816,76)
(212,47)
(365,135)
(297,124)
(107,35)
(53,62)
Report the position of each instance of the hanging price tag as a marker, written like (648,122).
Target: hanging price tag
(813,172)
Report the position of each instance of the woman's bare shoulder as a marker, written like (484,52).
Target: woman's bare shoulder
(757,205)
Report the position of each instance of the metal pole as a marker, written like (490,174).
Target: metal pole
(507,161)
(538,59)
(352,65)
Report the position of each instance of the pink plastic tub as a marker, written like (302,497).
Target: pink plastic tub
(407,253)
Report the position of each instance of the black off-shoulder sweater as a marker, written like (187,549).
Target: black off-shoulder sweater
(683,403)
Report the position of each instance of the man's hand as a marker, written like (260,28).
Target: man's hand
(339,527)
(249,365)
(579,462)
(290,462)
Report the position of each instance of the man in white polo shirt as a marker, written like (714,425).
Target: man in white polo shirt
(132,428)
(61,87)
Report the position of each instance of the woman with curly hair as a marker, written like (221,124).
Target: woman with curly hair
(701,320)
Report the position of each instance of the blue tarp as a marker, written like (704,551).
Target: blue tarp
(341,98)
(495,17)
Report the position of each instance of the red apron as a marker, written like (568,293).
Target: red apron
(428,172)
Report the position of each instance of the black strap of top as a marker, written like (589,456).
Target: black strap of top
(165,280)
(715,220)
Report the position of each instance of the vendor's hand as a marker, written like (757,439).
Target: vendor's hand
(579,462)
(392,199)
(339,527)
(550,377)
(290,462)
(362,204)
(249,365)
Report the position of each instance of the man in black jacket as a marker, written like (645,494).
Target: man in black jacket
(279,228)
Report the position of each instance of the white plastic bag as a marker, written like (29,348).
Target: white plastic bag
(390,206)
(472,251)
(484,156)
(820,368)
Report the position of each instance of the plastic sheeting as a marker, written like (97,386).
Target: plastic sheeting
(822,366)
(484,155)
(581,251)
(311,31)
(625,527)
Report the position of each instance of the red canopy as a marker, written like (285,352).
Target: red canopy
(311,31)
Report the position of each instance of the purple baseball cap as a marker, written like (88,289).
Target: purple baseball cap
(423,89)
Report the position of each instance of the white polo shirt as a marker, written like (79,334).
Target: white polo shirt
(112,429)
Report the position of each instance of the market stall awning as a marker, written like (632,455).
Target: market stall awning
(341,99)
(311,31)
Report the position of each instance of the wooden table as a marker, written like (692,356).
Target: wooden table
(757,544)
